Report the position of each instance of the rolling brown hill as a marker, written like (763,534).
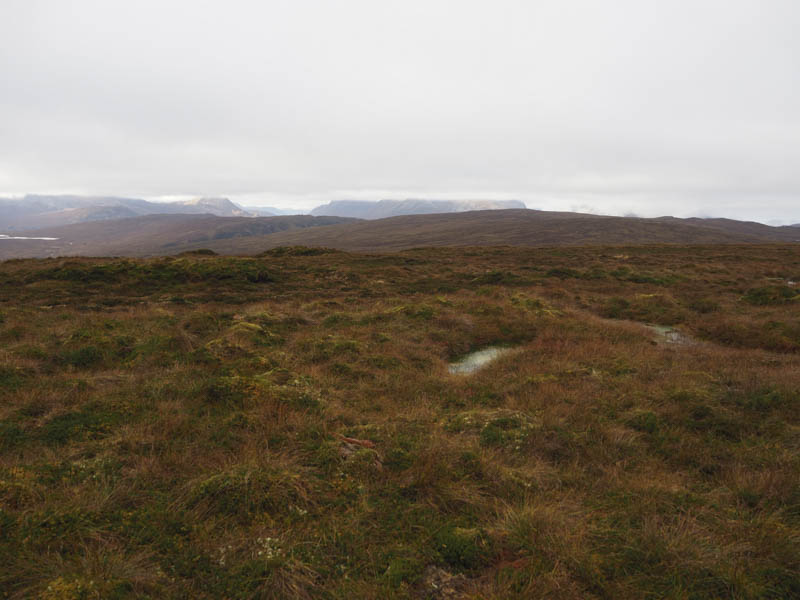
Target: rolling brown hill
(383,209)
(510,227)
(785,233)
(172,234)
(152,235)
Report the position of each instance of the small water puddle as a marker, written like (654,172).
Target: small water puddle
(20,237)
(475,360)
(670,335)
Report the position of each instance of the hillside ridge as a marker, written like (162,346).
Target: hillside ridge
(382,209)
(171,234)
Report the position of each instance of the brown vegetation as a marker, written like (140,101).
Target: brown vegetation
(152,235)
(172,234)
(285,426)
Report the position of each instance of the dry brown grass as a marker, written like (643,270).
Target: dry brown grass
(160,425)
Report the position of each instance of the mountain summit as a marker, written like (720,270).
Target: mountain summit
(221,207)
(37,212)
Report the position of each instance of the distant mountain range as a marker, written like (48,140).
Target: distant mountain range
(34,212)
(38,212)
(392,208)
(172,234)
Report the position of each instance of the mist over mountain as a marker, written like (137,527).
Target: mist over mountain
(382,209)
(273,211)
(40,211)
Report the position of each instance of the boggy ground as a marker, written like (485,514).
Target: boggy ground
(174,428)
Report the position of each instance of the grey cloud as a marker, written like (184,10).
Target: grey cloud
(637,106)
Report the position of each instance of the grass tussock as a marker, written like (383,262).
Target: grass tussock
(285,426)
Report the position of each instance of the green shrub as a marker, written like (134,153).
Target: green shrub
(227,392)
(93,421)
(615,308)
(645,421)
(245,490)
(82,358)
(404,569)
(563,273)
(703,418)
(462,548)
(337,320)
(11,435)
(199,252)
(627,274)
(492,436)
(297,251)
(11,378)
(649,308)
(497,278)
(770,295)
(704,305)
(300,394)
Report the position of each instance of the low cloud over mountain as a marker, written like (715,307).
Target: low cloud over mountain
(36,212)
(393,208)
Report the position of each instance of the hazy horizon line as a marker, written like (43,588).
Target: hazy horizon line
(305,203)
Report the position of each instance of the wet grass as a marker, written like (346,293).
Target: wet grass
(285,426)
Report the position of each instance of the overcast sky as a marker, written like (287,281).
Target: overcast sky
(684,107)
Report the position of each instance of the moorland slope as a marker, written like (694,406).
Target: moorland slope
(383,209)
(153,235)
(172,234)
(515,228)
(286,426)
